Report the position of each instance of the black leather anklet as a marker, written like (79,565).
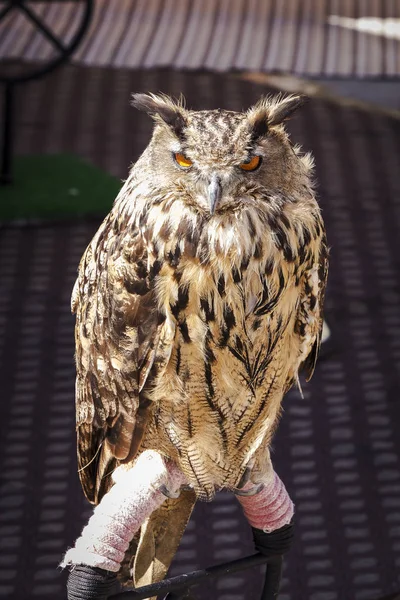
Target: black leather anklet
(275,542)
(91,583)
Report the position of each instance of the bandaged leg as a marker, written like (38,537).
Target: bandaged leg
(270,514)
(134,496)
(269,509)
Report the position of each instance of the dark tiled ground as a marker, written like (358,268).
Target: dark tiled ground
(337,450)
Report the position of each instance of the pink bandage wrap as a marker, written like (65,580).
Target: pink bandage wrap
(132,499)
(271,508)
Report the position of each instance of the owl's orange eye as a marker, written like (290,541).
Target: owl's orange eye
(252,164)
(182,160)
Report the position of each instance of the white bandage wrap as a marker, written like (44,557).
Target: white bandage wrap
(131,500)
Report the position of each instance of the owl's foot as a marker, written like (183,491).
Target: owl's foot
(269,509)
(132,499)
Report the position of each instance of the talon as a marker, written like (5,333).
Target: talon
(244,478)
(167,493)
(256,489)
(186,488)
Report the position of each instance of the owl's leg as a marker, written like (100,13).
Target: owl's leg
(270,513)
(99,551)
(267,509)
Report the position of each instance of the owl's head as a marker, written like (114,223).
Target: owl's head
(219,158)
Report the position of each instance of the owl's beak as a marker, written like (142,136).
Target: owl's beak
(214,192)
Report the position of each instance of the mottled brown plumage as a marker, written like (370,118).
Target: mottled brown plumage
(191,325)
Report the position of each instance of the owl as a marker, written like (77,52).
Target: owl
(198,302)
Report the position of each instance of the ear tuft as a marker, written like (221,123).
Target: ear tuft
(162,107)
(259,125)
(270,111)
(284,108)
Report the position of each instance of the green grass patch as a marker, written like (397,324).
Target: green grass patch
(56,186)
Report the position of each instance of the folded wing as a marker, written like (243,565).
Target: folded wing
(118,333)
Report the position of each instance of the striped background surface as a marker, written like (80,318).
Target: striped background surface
(337,449)
(346,38)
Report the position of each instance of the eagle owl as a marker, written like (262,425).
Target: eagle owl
(200,298)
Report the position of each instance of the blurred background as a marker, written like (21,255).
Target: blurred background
(68,138)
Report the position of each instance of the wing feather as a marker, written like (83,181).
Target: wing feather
(118,332)
(310,314)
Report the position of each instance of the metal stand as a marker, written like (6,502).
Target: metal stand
(179,587)
(63,53)
(272,578)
